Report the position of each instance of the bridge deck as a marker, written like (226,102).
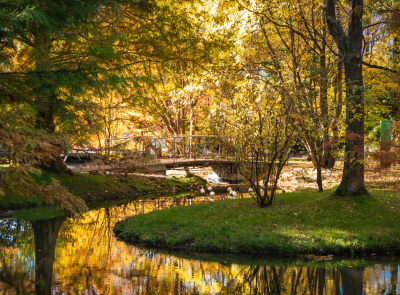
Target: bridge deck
(172,163)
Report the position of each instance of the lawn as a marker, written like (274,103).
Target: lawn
(302,222)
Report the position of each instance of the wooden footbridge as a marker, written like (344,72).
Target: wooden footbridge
(166,153)
(156,155)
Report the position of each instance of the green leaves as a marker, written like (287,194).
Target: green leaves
(267,63)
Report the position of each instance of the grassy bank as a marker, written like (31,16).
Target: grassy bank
(298,223)
(105,187)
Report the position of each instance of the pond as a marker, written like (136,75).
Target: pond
(64,255)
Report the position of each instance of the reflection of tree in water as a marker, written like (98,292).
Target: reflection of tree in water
(262,280)
(16,240)
(301,280)
(21,237)
(102,223)
(46,234)
(89,258)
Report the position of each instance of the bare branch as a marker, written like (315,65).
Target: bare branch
(380,67)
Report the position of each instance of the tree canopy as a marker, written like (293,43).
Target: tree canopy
(79,73)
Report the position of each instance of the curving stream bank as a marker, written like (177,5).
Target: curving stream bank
(296,224)
(64,255)
(95,188)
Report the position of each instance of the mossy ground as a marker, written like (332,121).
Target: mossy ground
(307,222)
(105,187)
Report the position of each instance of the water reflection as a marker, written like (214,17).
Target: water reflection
(45,234)
(302,280)
(81,256)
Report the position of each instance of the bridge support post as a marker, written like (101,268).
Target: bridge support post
(224,173)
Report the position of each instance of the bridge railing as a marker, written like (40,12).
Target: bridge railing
(136,151)
(175,147)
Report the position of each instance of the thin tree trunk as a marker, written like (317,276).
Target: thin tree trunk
(338,102)
(323,99)
(191,131)
(315,158)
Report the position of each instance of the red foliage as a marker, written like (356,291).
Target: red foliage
(386,158)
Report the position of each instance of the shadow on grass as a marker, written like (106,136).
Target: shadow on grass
(297,223)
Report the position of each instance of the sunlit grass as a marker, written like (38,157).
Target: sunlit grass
(306,222)
(104,187)
(90,186)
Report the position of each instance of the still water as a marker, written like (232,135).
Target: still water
(64,255)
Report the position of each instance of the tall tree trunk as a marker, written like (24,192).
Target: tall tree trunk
(46,96)
(395,92)
(351,45)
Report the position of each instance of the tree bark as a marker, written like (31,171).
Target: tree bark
(56,165)
(46,96)
(315,158)
(350,45)
(337,104)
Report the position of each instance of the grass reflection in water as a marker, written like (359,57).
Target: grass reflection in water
(89,260)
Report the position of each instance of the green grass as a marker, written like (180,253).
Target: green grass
(98,187)
(307,222)
(104,187)
(12,202)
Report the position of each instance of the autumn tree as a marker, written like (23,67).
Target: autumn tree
(257,123)
(288,46)
(170,81)
(351,45)
(53,53)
